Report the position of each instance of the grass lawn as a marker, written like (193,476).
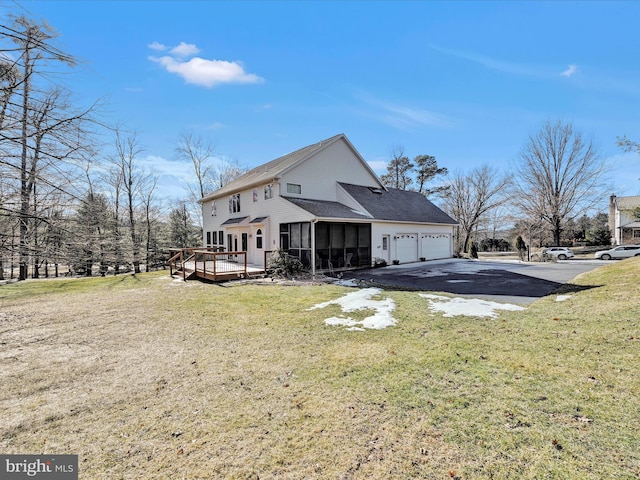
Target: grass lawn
(147,377)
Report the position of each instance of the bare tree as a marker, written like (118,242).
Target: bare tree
(127,151)
(472,196)
(197,151)
(226,171)
(558,176)
(41,135)
(628,145)
(148,206)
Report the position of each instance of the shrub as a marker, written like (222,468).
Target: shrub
(283,265)
(379,262)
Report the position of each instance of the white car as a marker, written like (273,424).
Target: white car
(621,251)
(561,253)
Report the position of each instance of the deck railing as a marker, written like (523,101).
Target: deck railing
(209,263)
(220,265)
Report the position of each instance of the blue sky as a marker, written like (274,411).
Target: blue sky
(464,81)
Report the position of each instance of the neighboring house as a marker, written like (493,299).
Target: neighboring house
(325,205)
(623,220)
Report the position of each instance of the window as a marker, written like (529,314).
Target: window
(259,239)
(208,239)
(255,195)
(213,209)
(294,188)
(636,234)
(234,203)
(268,191)
(284,237)
(220,238)
(214,238)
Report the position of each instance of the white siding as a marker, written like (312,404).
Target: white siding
(318,175)
(276,209)
(402,249)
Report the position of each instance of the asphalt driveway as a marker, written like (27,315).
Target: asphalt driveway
(499,280)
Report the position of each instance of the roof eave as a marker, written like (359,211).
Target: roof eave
(215,195)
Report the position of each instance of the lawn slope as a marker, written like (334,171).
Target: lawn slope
(147,377)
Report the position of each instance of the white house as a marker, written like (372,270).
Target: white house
(325,205)
(623,220)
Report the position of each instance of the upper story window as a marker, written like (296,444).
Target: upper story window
(234,203)
(294,188)
(214,210)
(268,191)
(255,195)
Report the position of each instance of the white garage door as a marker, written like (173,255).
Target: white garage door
(407,247)
(435,245)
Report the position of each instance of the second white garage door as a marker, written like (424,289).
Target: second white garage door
(435,245)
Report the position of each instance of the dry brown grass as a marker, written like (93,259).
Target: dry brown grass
(145,377)
(159,379)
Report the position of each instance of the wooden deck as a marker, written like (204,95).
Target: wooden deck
(210,264)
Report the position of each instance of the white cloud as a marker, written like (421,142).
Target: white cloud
(496,64)
(161,166)
(403,116)
(207,73)
(185,50)
(215,126)
(570,71)
(159,47)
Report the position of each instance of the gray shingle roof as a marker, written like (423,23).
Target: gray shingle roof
(398,205)
(327,209)
(234,221)
(391,205)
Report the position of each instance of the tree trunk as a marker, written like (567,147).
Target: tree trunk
(24,192)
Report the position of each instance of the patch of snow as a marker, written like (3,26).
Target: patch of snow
(347,283)
(362,300)
(562,298)
(472,307)
(458,281)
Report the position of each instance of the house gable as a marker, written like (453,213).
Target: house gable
(334,158)
(623,224)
